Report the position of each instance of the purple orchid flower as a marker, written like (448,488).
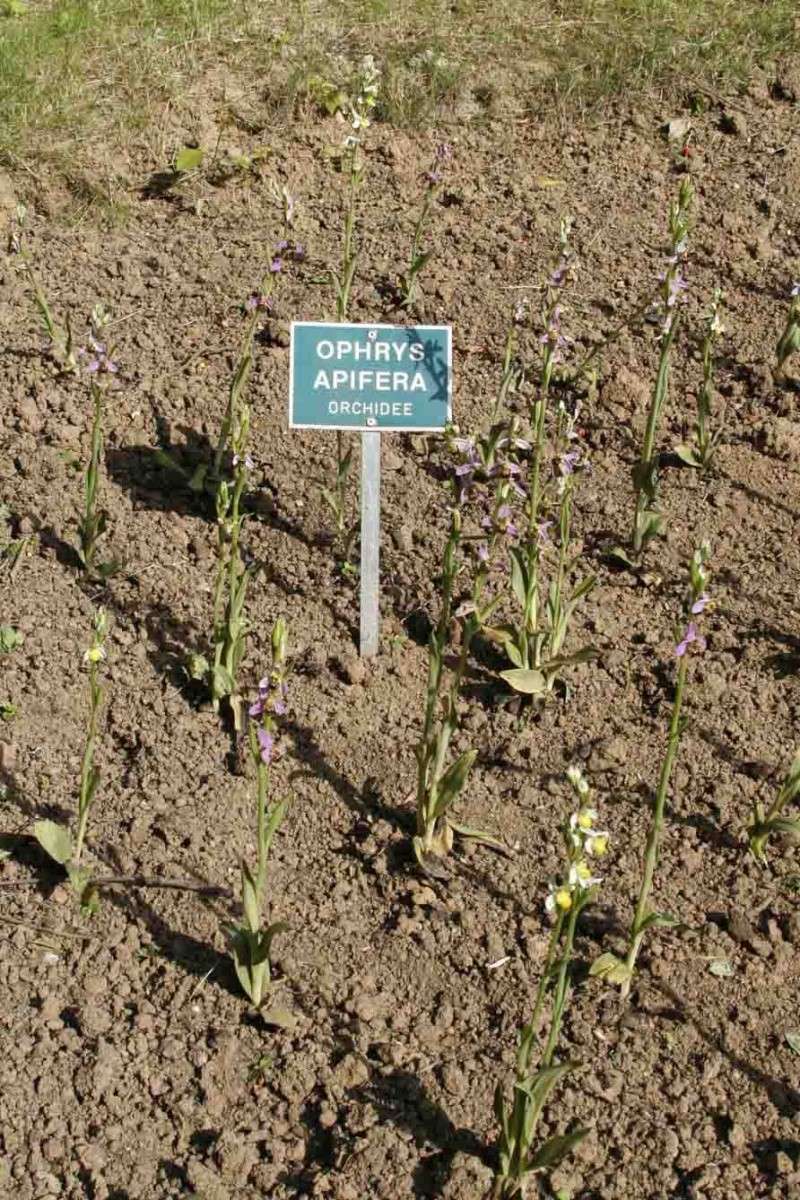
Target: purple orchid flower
(257,302)
(100,363)
(691,636)
(266,744)
(276,266)
(560,273)
(700,604)
(677,284)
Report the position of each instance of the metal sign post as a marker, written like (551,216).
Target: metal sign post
(376,379)
(370,543)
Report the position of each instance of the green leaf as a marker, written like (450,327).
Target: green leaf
(619,554)
(477,835)
(783,825)
(540,1085)
(556,1148)
(655,920)
(529,682)
(12,8)
(586,654)
(793,1040)
(519,576)
(609,967)
(453,780)
(197,482)
(54,839)
(721,967)
(250,899)
(10,638)
(583,589)
(188,159)
(688,455)
(8,710)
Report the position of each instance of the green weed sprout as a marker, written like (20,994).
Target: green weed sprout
(100,365)
(789,341)
(61,344)
(56,840)
(608,966)
(765,823)
(358,108)
(440,781)
(251,942)
(408,282)
(700,451)
(647,522)
(519,1154)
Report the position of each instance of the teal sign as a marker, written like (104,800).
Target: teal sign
(371,377)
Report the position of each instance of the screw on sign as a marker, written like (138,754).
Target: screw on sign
(376,379)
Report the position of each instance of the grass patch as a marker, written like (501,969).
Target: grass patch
(77,75)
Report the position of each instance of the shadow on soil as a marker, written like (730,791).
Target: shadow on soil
(784,1098)
(397,1099)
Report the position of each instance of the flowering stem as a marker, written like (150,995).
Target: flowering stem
(241,376)
(93,523)
(639,927)
(561,990)
(525,1052)
(530,647)
(508,376)
(646,471)
(262,783)
(409,284)
(526,1111)
(90,776)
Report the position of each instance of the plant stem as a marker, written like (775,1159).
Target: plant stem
(88,774)
(656,829)
(239,382)
(91,525)
(261,830)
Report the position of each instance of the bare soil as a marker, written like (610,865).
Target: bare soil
(132,1069)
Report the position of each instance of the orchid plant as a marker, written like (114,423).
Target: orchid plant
(789,341)
(60,339)
(519,1154)
(772,820)
(251,942)
(647,521)
(233,576)
(440,780)
(700,451)
(101,367)
(521,505)
(56,840)
(434,178)
(358,108)
(691,641)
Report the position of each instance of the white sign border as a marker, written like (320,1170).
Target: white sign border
(371,428)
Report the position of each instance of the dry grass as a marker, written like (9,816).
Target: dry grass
(77,76)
